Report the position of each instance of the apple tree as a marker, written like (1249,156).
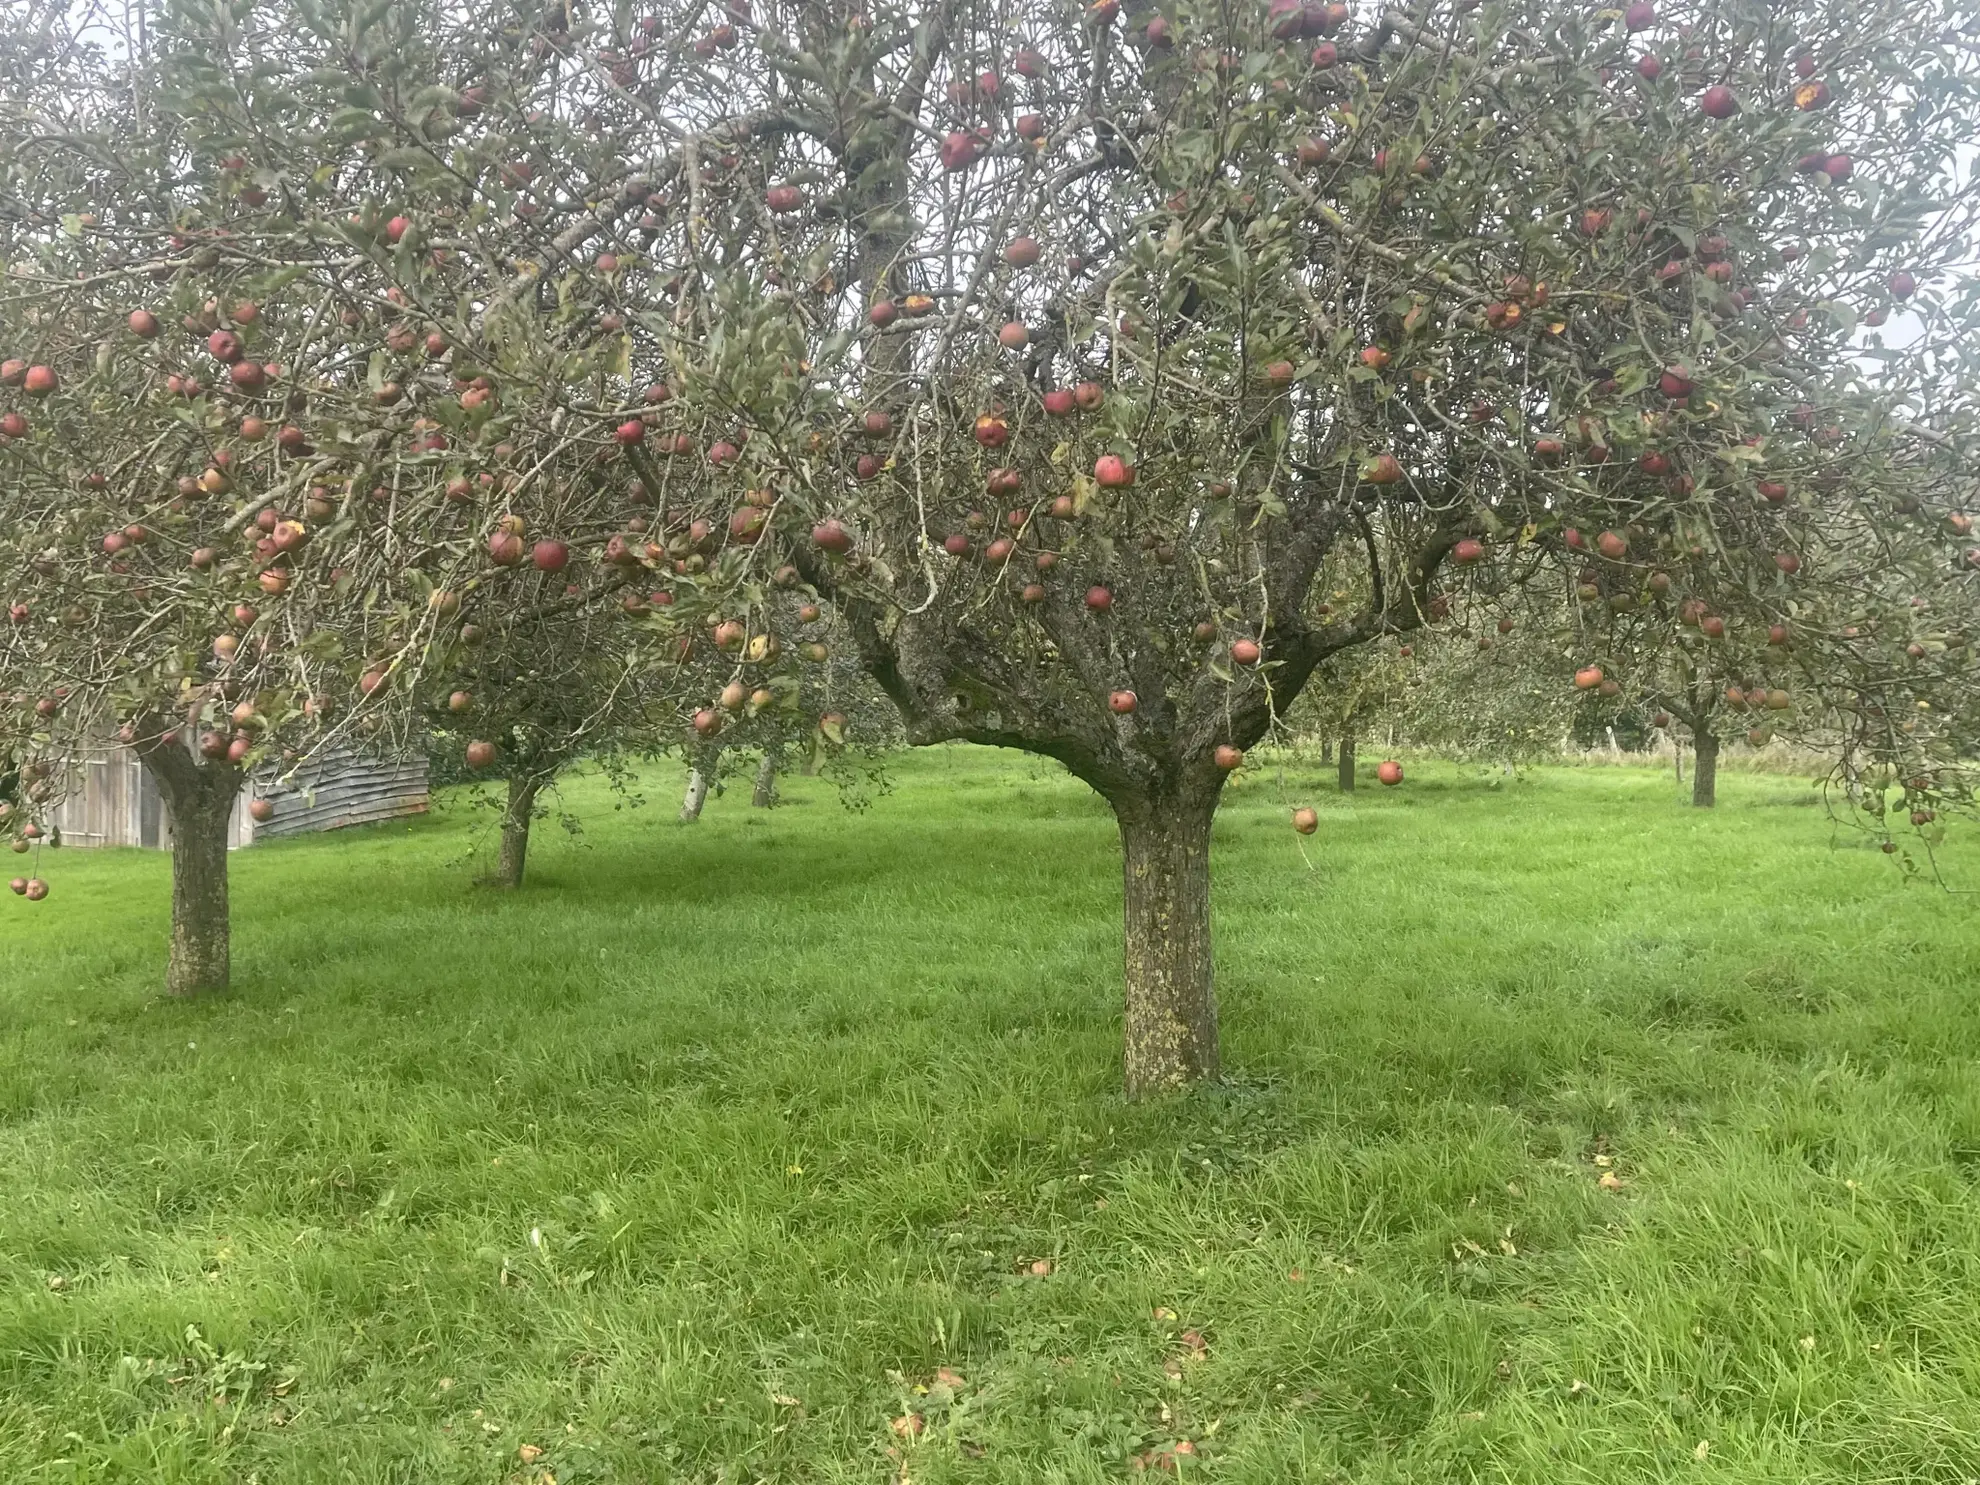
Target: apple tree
(1086,352)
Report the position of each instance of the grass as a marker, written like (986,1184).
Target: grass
(697,1159)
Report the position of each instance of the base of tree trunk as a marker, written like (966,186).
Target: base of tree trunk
(513,854)
(1705,771)
(1170,1017)
(1347,765)
(764,795)
(199,803)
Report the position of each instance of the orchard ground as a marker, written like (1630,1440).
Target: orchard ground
(701,1157)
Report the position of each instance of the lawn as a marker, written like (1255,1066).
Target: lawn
(718,1149)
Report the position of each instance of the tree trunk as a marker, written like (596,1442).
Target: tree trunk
(199,803)
(515,831)
(1170,1019)
(1347,764)
(1326,750)
(764,795)
(808,765)
(701,774)
(1704,769)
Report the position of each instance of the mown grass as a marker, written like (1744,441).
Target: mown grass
(699,1158)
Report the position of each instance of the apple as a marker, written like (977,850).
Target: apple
(828,535)
(261,810)
(960,150)
(1089,396)
(1595,222)
(999,550)
(1278,374)
(1588,678)
(1773,491)
(1028,63)
(1059,402)
(1033,593)
(1811,96)
(1712,626)
(1468,551)
(1903,285)
(1382,470)
(1112,472)
(1718,102)
(35,890)
(550,556)
(1389,772)
(1013,336)
(1548,450)
(1613,545)
(396,229)
(1653,463)
(1306,819)
(143,323)
(991,431)
(630,432)
(1099,599)
(18,886)
(916,305)
(1030,127)
(1325,55)
(784,199)
(40,381)
(1788,563)
(1313,150)
(1777,635)
(13,425)
(1122,702)
(1373,357)
(708,721)
(505,549)
(1838,168)
(1245,652)
(868,466)
(882,314)
(1227,757)
(1675,382)
(1022,252)
(1648,67)
(956,544)
(224,346)
(1640,16)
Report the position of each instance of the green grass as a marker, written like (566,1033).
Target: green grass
(697,1158)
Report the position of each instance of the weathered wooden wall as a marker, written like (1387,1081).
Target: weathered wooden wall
(112,801)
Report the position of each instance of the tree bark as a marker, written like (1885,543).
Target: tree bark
(199,803)
(1704,770)
(1170,1017)
(701,774)
(514,850)
(764,795)
(1326,750)
(1347,764)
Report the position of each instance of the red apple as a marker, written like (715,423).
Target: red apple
(630,432)
(1306,819)
(1382,470)
(1245,652)
(1122,702)
(1089,396)
(550,556)
(1718,102)
(1013,336)
(1588,678)
(1468,551)
(1022,252)
(1112,472)
(1648,67)
(1099,599)
(1389,772)
(143,323)
(991,431)
(1227,757)
(1059,402)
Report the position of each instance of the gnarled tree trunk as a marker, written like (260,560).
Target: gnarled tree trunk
(764,795)
(1170,1018)
(1347,763)
(1704,769)
(701,777)
(199,802)
(516,816)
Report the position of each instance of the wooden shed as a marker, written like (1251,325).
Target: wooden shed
(112,800)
